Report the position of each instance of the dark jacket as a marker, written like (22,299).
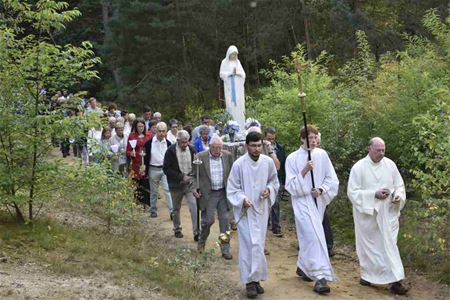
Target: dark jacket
(172,169)
(148,153)
(281,155)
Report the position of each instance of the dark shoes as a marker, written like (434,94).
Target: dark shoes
(364,282)
(321,287)
(277,232)
(196,237)
(253,289)
(153,214)
(178,234)
(398,288)
(266,252)
(252,293)
(259,288)
(300,273)
(227,256)
(201,247)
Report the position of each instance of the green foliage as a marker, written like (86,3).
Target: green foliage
(31,63)
(427,233)
(279,105)
(405,99)
(113,200)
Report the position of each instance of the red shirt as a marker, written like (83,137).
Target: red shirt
(137,161)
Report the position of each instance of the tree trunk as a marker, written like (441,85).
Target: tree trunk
(107,14)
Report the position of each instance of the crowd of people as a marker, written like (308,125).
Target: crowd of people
(245,192)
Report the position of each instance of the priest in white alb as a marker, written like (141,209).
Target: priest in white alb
(313,263)
(252,188)
(377,192)
(233,76)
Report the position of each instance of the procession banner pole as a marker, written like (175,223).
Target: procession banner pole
(197,162)
(302,96)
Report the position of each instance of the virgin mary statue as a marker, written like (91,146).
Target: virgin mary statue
(233,76)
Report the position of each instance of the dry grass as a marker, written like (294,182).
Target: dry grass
(130,256)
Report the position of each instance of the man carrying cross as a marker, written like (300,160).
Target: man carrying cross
(309,204)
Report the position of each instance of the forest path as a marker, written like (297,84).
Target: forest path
(283,283)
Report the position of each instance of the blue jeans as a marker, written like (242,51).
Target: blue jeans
(156,176)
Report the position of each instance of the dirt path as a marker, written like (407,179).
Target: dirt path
(283,283)
(31,281)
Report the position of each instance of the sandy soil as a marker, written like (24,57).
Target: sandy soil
(32,281)
(24,280)
(283,283)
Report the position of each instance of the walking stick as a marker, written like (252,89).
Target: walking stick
(302,97)
(197,162)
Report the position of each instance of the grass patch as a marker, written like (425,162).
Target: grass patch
(131,256)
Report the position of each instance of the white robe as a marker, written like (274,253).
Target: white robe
(248,179)
(313,257)
(376,221)
(236,110)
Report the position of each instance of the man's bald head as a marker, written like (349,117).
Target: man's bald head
(376,149)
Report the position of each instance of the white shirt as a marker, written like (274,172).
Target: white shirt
(159,149)
(171,137)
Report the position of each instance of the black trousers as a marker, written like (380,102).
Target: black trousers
(142,192)
(327,229)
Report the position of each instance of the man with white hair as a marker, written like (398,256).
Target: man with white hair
(178,167)
(155,149)
(213,176)
(157,116)
(377,192)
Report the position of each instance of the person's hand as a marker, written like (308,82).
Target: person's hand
(247,203)
(197,194)
(396,199)
(308,167)
(316,193)
(187,179)
(265,194)
(382,194)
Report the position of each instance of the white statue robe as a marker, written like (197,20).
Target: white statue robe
(376,221)
(234,98)
(248,179)
(313,257)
